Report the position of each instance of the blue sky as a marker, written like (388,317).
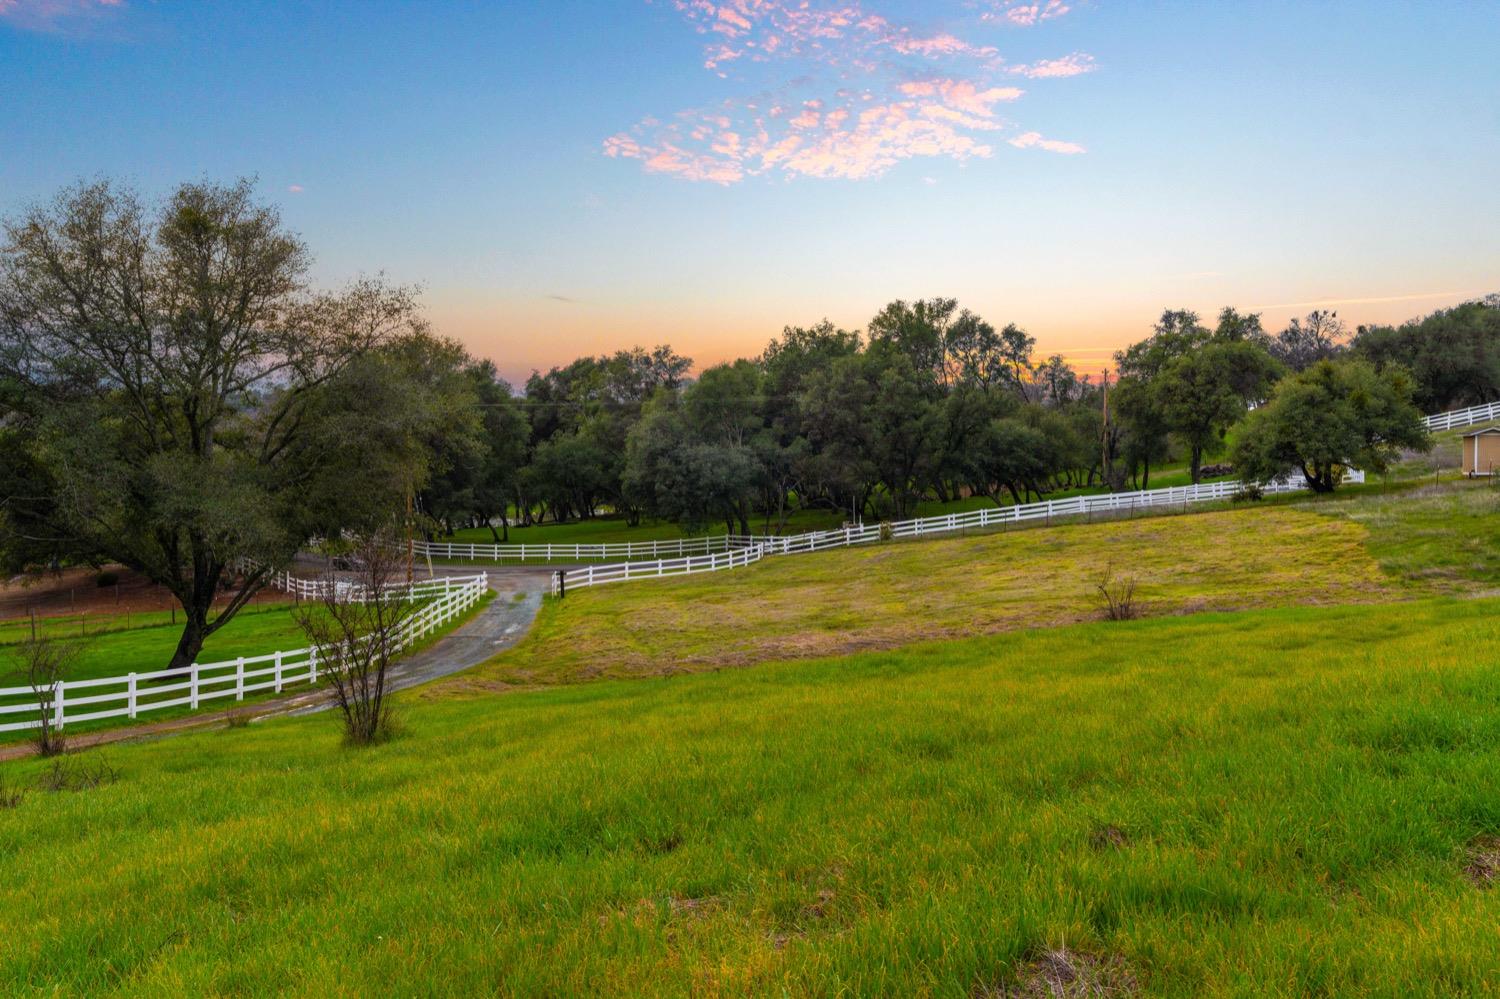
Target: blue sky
(1074,166)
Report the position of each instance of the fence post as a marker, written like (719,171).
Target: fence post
(193,687)
(130,694)
(57,705)
(312,664)
(278,671)
(239,679)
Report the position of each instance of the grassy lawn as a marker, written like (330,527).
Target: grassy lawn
(109,649)
(883,596)
(1276,802)
(1443,537)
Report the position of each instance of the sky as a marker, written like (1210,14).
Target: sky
(566,177)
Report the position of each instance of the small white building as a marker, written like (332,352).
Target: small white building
(1482,452)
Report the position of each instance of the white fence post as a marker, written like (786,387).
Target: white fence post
(239,679)
(278,671)
(57,705)
(130,680)
(193,687)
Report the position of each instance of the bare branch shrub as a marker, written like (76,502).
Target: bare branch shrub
(1117,596)
(45,662)
(357,626)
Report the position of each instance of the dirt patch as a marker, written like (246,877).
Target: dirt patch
(77,591)
(1108,838)
(1482,864)
(1066,974)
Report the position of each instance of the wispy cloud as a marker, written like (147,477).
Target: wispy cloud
(1026,14)
(1050,69)
(565,299)
(294,188)
(1034,140)
(1419,297)
(53,15)
(837,90)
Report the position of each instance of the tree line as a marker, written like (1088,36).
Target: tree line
(931,401)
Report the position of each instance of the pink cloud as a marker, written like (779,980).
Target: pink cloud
(1025,14)
(1044,69)
(294,188)
(52,15)
(1030,140)
(851,93)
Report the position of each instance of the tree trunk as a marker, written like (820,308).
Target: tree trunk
(1145,474)
(194,633)
(1197,462)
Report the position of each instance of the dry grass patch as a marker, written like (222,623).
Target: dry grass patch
(1483,865)
(889,595)
(1067,974)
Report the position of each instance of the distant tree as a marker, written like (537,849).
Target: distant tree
(172,374)
(1058,383)
(978,355)
(674,474)
(478,463)
(1009,455)
(1303,343)
(919,330)
(1336,414)
(1235,325)
(1203,393)
(1454,354)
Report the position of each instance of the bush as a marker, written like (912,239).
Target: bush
(1251,493)
(1117,596)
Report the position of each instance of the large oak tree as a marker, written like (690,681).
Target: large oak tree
(182,401)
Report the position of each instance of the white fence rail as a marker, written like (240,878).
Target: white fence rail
(352,591)
(1463,417)
(575,552)
(75,701)
(752,548)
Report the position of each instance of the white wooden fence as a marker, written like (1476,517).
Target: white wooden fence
(75,701)
(574,552)
(1463,417)
(752,548)
(353,591)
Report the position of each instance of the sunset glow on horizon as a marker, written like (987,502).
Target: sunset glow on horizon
(575,178)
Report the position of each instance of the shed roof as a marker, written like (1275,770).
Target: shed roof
(1478,433)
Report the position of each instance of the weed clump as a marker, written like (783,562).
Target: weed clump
(77,775)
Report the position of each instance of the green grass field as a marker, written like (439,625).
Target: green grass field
(884,596)
(1276,802)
